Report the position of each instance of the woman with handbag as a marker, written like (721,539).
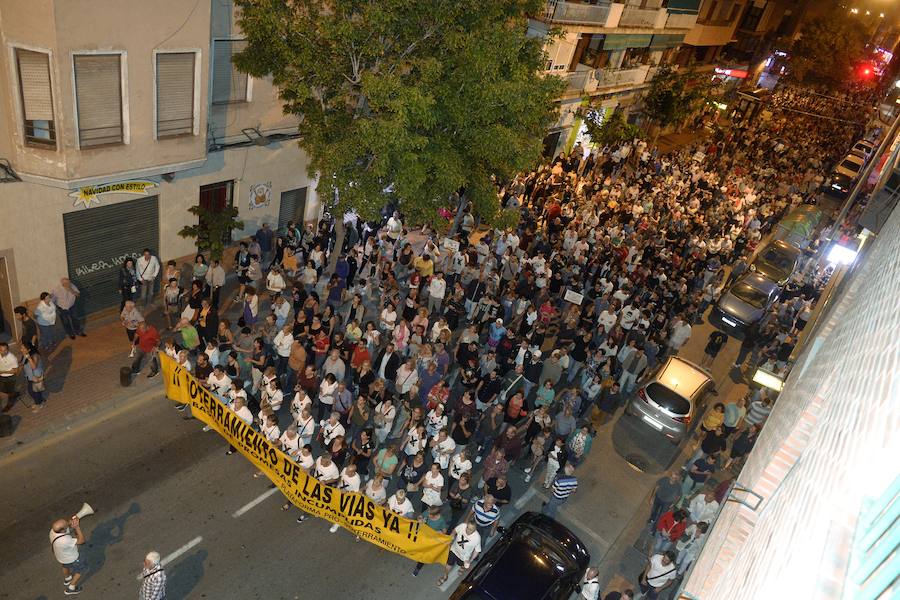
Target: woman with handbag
(458,498)
(34,377)
(128,282)
(658,575)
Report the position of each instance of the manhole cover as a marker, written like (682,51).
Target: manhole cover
(638,462)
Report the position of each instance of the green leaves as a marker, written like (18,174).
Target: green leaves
(829,47)
(673,96)
(422,96)
(213,229)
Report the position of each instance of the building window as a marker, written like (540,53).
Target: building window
(589,52)
(215,198)
(175,93)
(98,94)
(37,98)
(229,84)
(752,17)
(635,57)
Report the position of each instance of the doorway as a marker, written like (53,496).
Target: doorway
(7,322)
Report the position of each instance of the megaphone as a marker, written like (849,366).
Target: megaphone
(85,511)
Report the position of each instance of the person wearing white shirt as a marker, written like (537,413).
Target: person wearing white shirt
(331,429)
(275,282)
(45,316)
(240,409)
(437,288)
(703,507)
(282,310)
(283,342)
(659,574)
(290,442)
(147,269)
(218,382)
(689,546)
(9,367)
(460,464)
(385,413)
(464,549)
(432,486)
(607,318)
(306,425)
(64,296)
(400,504)
(681,333)
(326,472)
(375,489)
(348,483)
(442,448)
(590,584)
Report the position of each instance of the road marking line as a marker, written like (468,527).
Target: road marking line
(166,560)
(451,581)
(528,495)
(245,508)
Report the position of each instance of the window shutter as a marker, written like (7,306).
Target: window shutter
(229,84)
(99,94)
(34,77)
(174,93)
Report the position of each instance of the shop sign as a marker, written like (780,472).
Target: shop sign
(260,195)
(90,194)
(736,73)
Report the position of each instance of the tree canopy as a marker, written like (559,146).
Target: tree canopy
(672,96)
(406,100)
(612,130)
(829,47)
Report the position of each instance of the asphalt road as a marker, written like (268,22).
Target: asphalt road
(158,482)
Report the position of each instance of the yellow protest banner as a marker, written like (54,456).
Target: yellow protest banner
(352,511)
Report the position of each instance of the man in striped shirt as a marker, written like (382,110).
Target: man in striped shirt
(563,487)
(486,514)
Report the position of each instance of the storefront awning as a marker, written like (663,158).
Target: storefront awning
(622,41)
(663,41)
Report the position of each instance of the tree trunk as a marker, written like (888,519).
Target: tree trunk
(458,218)
(340,232)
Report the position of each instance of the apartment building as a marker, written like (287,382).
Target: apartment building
(116,116)
(715,28)
(607,52)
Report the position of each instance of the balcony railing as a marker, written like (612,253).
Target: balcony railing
(560,11)
(652,18)
(680,21)
(619,77)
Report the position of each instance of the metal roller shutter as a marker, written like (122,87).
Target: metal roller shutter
(99,239)
(98,89)
(175,93)
(34,75)
(293,207)
(229,84)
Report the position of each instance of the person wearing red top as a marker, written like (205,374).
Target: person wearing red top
(360,355)
(146,343)
(669,529)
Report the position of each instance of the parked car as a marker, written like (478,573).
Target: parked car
(536,558)
(863,149)
(852,166)
(672,396)
(777,261)
(746,301)
(840,185)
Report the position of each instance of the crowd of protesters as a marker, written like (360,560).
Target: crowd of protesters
(421,372)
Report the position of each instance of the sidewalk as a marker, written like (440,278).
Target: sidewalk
(83,377)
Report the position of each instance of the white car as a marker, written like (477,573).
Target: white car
(851,166)
(863,149)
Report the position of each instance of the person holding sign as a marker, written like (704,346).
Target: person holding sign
(464,549)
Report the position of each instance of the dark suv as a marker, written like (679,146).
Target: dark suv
(536,558)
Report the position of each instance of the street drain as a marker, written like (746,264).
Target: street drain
(638,462)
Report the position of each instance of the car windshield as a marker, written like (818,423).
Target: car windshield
(777,259)
(749,294)
(668,399)
(850,165)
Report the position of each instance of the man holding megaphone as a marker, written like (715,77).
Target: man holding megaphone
(65,537)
